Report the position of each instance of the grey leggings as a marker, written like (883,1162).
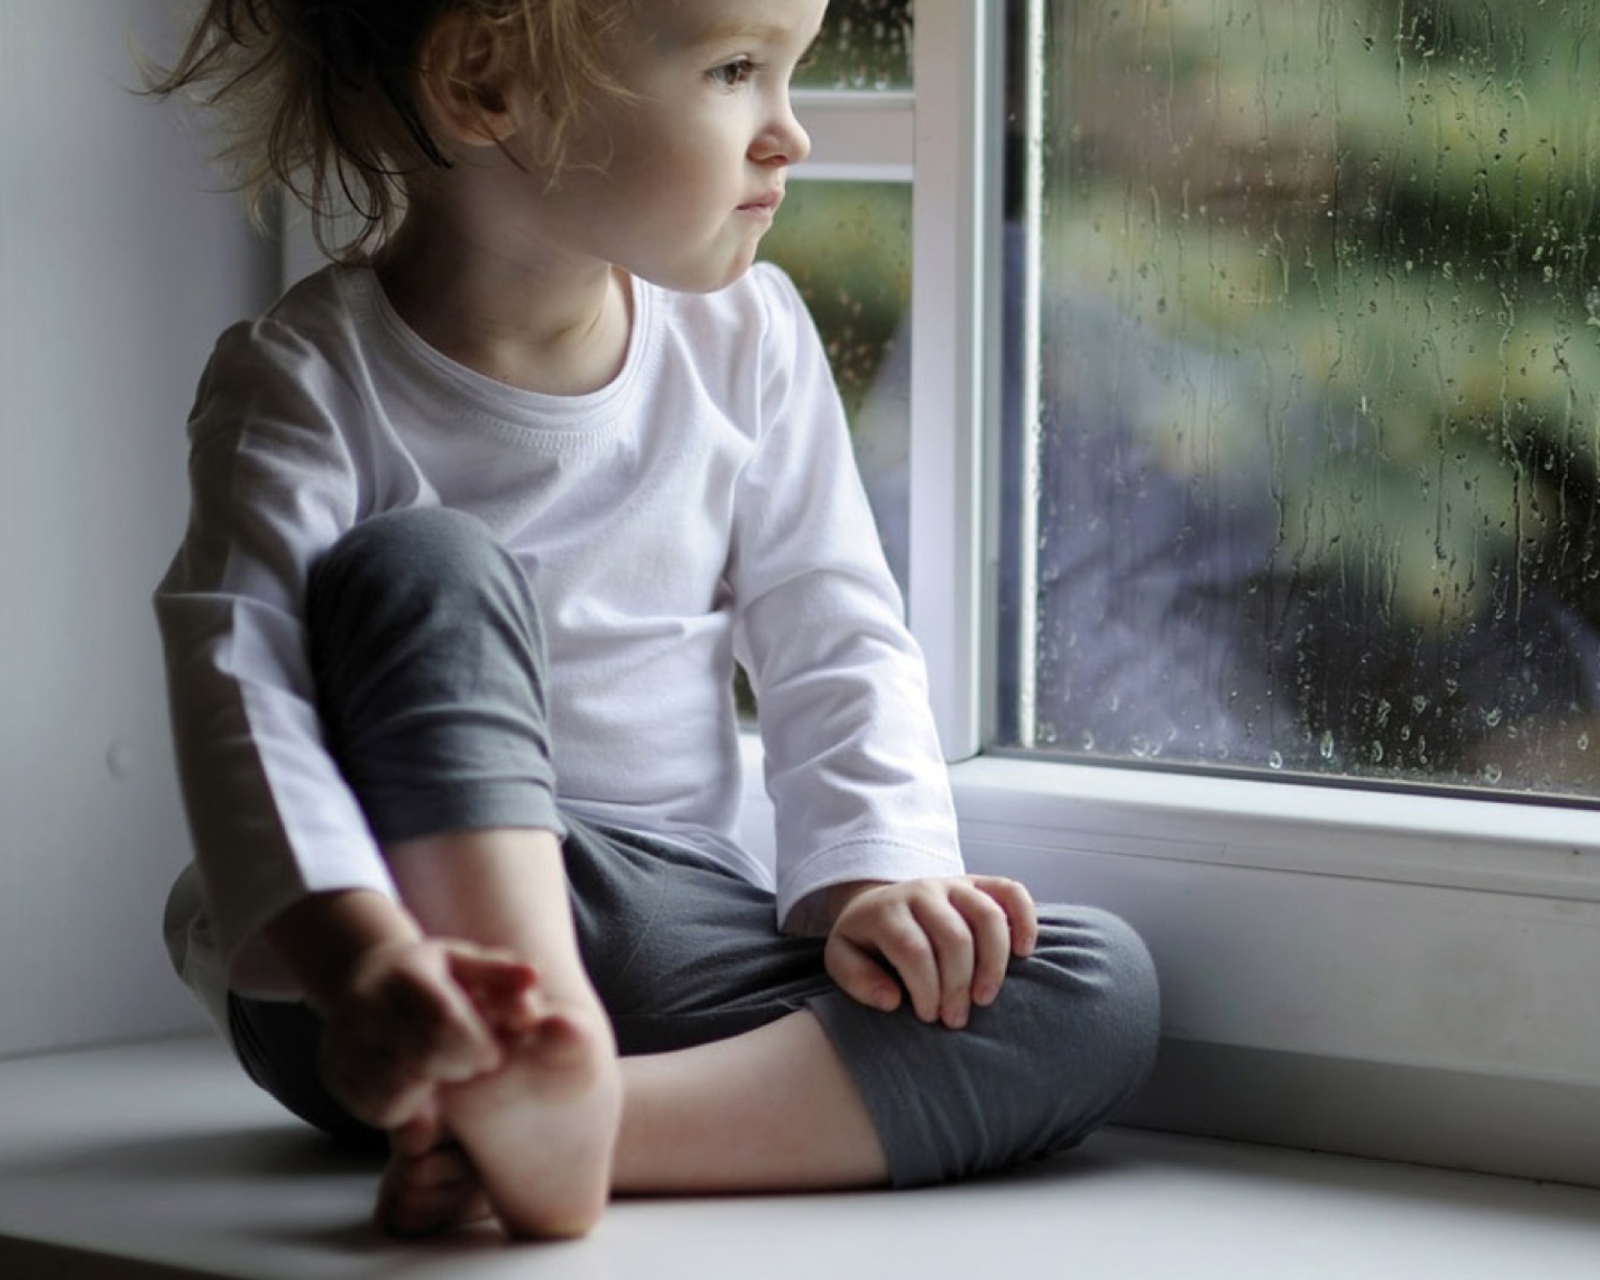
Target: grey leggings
(429,661)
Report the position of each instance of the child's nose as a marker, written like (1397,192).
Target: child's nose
(784,140)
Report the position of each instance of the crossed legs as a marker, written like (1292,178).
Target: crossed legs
(750,1073)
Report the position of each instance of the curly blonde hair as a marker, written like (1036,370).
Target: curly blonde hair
(315,97)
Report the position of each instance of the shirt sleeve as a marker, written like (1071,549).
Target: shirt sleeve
(272,486)
(853,763)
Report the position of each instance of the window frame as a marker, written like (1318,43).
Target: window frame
(1345,967)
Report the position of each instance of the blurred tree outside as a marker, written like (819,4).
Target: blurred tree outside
(1363,232)
(847,245)
(864,45)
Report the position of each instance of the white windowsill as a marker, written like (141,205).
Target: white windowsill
(160,1161)
(859,137)
(1400,976)
(1444,841)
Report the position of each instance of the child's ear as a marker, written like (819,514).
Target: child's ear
(463,82)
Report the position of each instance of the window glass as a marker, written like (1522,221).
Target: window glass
(1303,431)
(865,44)
(847,245)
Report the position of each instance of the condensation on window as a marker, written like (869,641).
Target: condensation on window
(1315,465)
(865,44)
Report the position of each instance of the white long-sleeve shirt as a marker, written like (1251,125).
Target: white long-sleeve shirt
(703,506)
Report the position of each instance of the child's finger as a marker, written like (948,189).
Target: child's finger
(906,947)
(494,972)
(991,939)
(498,985)
(954,950)
(1017,903)
(464,1047)
(443,1037)
(418,1135)
(388,1105)
(859,976)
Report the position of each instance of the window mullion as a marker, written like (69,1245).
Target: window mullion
(1032,111)
(858,136)
(954,306)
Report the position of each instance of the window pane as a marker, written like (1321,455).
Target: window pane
(1305,445)
(847,246)
(865,44)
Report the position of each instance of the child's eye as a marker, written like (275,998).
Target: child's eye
(732,74)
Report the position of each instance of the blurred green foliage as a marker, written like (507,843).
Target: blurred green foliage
(865,44)
(1391,206)
(847,245)
(1387,210)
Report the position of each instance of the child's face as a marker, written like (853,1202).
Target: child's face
(678,183)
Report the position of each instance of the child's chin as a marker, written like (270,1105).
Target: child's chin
(710,278)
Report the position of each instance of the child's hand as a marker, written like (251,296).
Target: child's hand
(948,940)
(417,1014)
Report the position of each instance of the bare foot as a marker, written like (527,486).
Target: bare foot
(430,1185)
(541,1131)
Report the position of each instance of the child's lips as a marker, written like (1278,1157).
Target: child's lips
(767,204)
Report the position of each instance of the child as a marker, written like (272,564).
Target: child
(482,520)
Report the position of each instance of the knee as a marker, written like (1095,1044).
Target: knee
(1107,967)
(420,548)
(398,569)
(1071,1037)
(428,661)
(1092,1018)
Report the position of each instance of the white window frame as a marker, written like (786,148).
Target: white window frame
(1345,968)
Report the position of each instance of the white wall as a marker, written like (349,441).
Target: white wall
(117,269)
